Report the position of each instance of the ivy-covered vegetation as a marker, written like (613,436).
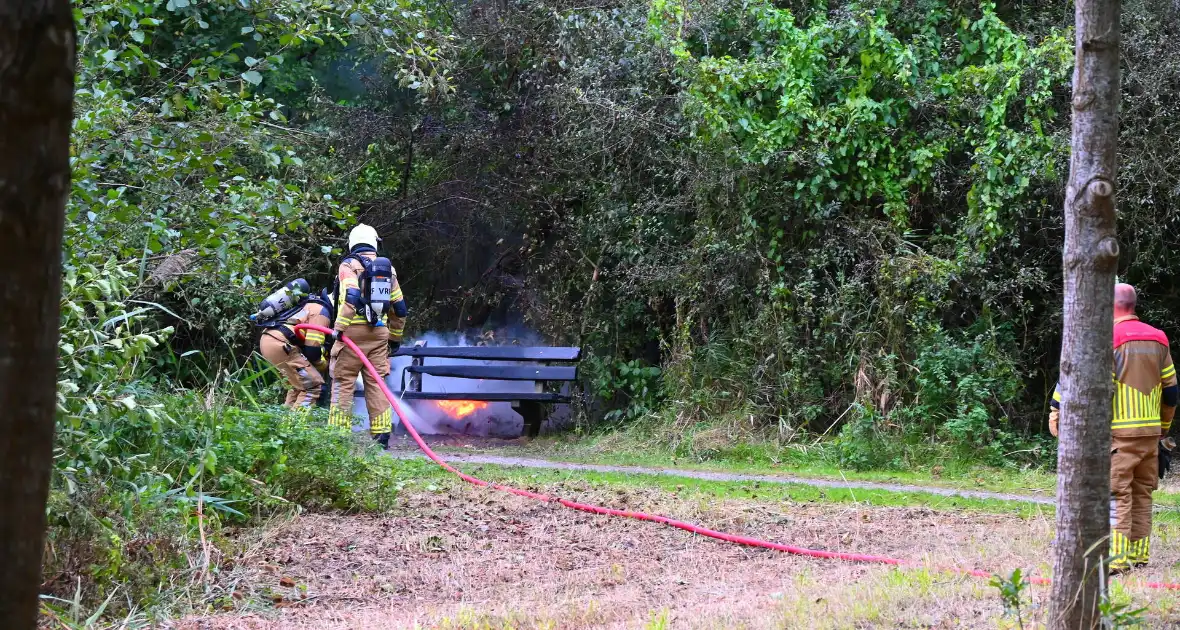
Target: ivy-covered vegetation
(779,219)
(764,221)
(200,175)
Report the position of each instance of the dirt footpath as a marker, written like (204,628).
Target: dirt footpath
(545,464)
(473,558)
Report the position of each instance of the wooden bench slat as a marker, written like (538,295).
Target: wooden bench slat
(498,373)
(493,353)
(488,396)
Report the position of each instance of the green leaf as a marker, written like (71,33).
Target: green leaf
(137,36)
(247,29)
(157,306)
(252,77)
(251,61)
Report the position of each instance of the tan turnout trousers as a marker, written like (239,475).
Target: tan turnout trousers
(374,342)
(305,380)
(1134,474)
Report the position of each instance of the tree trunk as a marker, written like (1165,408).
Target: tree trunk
(36,111)
(1090,260)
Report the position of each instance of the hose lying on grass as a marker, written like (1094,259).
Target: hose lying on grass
(696,529)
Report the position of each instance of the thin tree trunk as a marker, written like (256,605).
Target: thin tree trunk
(36,110)
(1090,260)
(409,167)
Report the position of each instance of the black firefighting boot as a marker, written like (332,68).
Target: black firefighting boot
(382,439)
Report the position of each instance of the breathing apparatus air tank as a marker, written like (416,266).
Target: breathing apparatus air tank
(378,285)
(281,300)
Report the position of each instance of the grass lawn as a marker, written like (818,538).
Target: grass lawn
(456,556)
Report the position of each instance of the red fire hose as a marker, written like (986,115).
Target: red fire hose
(689,527)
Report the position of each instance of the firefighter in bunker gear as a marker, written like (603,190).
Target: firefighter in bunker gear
(1145,398)
(372,313)
(298,355)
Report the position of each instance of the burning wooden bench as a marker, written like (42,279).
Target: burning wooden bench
(550,382)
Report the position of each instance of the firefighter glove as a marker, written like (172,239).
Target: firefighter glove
(314,354)
(394,346)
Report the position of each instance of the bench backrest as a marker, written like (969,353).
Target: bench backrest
(554,354)
(500,372)
(539,374)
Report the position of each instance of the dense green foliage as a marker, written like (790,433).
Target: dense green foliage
(762,220)
(193,186)
(816,218)
(832,217)
(187,172)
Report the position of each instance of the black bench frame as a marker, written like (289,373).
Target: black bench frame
(530,405)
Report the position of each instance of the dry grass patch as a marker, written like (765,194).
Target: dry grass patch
(473,558)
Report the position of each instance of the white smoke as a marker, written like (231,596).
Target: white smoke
(497,419)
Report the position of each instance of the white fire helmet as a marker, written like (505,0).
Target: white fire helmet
(363,235)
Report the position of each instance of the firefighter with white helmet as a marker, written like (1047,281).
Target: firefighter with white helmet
(371,311)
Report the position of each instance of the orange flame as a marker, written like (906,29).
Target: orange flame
(460,408)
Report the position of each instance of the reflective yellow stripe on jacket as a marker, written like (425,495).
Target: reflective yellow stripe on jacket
(314,337)
(1132,408)
(359,318)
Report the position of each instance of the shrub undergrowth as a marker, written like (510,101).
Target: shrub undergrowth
(135,490)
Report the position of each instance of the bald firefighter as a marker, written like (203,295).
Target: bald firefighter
(1145,400)
(297,354)
(372,313)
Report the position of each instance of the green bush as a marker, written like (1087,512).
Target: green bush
(964,386)
(863,444)
(629,388)
(133,487)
